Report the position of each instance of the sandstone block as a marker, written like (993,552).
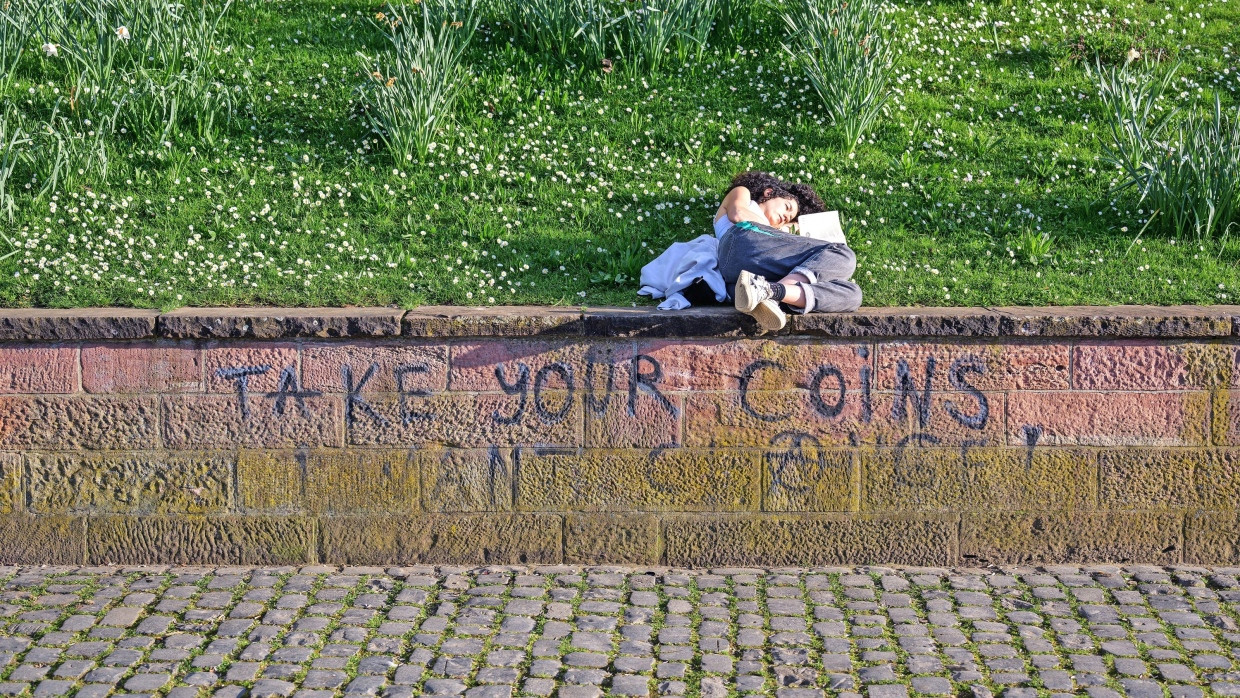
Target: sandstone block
(901,322)
(761,364)
(834,417)
(1169,478)
(398,367)
(595,539)
(549,364)
(62,325)
(1225,418)
(657,480)
(799,474)
(262,363)
(1020,537)
(327,481)
(650,423)
(442,539)
(144,482)
(994,366)
(690,322)
(1117,321)
(718,540)
(468,421)
(1212,538)
(1150,365)
(34,368)
(509,321)
(215,421)
(468,480)
(68,423)
(977,478)
(10,482)
(142,367)
(41,540)
(198,540)
(274,323)
(1107,418)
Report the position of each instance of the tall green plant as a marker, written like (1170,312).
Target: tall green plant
(158,55)
(655,28)
(568,31)
(1186,168)
(846,50)
(695,19)
(13,145)
(735,21)
(1138,113)
(415,82)
(17,23)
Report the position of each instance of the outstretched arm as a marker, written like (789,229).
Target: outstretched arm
(736,207)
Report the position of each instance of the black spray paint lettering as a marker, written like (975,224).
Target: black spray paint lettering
(302,456)
(867,404)
(353,399)
(241,374)
(290,387)
(747,375)
(520,387)
(964,450)
(651,469)
(821,406)
(565,372)
(1032,434)
(906,390)
(648,382)
(960,367)
(797,466)
(407,413)
(594,404)
(497,472)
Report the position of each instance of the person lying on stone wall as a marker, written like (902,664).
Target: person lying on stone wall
(767,267)
(753,259)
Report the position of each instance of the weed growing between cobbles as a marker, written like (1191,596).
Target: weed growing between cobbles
(247,169)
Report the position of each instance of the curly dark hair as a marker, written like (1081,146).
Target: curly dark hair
(758,184)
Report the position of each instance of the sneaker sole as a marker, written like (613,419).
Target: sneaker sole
(744,302)
(768,319)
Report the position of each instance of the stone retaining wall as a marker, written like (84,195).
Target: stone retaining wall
(449,435)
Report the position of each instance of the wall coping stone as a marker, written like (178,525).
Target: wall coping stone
(1125,321)
(276,323)
(49,324)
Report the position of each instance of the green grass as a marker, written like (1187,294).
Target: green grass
(556,185)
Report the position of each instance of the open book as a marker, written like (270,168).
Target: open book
(823,226)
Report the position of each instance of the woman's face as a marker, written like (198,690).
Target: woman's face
(779,211)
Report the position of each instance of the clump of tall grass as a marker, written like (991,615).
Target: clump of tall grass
(735,20)
(568,31)
(642,34)
(846,50)
(1184,165)
(14,143)
(656,28)
(155,56)
(145,68)
(16,26)
(66,147)
(415,82)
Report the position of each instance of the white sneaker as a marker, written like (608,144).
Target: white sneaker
(752,296)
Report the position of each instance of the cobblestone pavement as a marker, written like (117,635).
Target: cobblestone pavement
(316,632)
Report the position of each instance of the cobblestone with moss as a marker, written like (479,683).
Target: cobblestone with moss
(315,632)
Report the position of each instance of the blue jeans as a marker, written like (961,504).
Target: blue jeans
(774,254)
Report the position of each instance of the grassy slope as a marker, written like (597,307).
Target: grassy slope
(581,177)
